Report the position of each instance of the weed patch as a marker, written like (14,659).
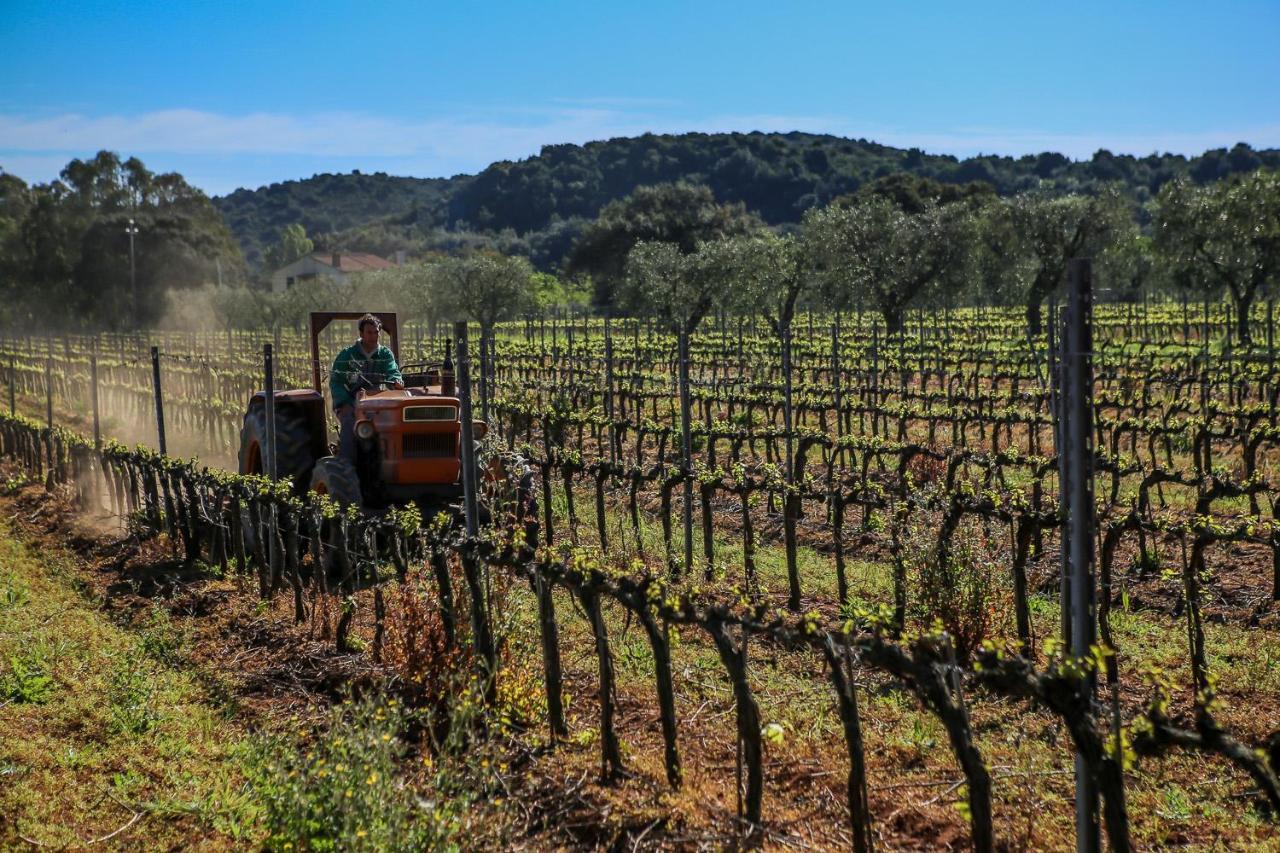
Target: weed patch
(340,789)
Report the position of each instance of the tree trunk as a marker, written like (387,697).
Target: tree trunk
(1243,303)
(1034,322)
(892,320)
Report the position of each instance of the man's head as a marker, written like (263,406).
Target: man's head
(369,327)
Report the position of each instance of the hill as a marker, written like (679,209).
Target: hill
(538,205)
(326,204)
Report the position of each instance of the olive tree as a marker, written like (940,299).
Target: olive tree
(675,288)
(889,256)
(679,290)
(487,288)
(1053,230)
(1001,270)
(1224,235)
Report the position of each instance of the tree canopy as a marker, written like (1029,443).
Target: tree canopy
(679,214)
(1224,236)
(65,245)
(884,255)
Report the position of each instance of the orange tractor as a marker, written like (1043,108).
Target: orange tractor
(408,441)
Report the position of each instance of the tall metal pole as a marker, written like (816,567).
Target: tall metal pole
(462,366)
(132,230)
(269,457)
(835,373)
(1057,389)
(155,381)
(1079,518)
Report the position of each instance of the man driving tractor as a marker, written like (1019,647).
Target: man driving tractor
(366,364)
(400,432)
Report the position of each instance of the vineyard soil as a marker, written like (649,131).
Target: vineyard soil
(884,514)
(247,668)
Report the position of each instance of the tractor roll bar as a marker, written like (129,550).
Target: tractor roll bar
(320,320)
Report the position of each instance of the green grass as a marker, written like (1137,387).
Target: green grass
(95,729)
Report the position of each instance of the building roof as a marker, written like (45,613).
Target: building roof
(352,261)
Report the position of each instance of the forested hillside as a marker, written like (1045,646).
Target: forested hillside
(542,203)
(326,204)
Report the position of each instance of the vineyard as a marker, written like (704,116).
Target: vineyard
(786,586)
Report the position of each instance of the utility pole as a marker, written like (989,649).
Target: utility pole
(132,230)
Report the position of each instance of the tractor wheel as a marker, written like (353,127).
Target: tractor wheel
(336,477)
(293,445)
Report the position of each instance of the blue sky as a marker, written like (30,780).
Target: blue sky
(246,93)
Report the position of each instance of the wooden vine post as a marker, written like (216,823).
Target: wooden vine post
(462,364)
(269,401)
(481,628)
(608,391)
(48,392)
(791,498)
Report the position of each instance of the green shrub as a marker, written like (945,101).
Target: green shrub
(14,484)
(968,593)
(341,789)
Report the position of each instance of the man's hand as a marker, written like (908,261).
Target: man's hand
(399,386)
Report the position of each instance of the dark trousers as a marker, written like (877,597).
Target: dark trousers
(346,416)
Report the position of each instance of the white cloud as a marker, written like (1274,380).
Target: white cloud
(37,146)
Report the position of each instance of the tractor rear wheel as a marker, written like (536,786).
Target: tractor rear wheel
(293,445)
(336,477)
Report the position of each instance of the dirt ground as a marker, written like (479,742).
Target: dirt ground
(250,656)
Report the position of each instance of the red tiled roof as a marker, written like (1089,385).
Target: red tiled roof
(353,261)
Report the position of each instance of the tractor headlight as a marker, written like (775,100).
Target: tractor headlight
(364,430)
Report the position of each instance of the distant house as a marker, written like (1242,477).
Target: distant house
(333,265)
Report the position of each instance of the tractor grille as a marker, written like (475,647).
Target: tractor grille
(430,413)
(431,444)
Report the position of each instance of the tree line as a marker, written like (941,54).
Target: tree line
(537,207)
(910,242)
(101,246)
(898,242)
(674,253)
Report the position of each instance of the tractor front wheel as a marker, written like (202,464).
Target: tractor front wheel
(336,477)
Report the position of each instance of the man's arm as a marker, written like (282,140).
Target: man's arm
(338,379)
(391,370)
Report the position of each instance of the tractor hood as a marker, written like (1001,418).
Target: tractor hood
(379,401)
